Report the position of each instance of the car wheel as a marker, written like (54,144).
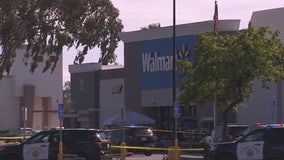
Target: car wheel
(225,156)
(149,153)
(12,157)
(82,155)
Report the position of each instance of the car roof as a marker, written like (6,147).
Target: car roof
(137,127)
(234,125)
(78,129)
(237,125)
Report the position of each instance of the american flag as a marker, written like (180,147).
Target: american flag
(215,17)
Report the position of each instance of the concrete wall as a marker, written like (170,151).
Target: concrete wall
(9,105)
(97,93)
(46,85)
(258,109)
(111,98)
(85,94)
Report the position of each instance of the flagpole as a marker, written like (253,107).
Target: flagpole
(215,18)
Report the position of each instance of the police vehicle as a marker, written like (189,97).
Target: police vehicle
(88,144)
(265,143)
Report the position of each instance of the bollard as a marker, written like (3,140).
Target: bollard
(177,150)
(174,152)
(123,151)
(60,151)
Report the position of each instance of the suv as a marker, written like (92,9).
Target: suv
(86,143)
(141,136)
(265,143)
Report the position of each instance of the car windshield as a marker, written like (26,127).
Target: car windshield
(236,130)
(256,135)
(102,135)
(144,131)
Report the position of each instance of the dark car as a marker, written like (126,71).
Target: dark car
(141,136)
(86,143)
(266,143)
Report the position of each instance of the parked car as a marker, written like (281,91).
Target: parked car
(134,136)
(264,143)
(233,131)
(86,143)
(186,139)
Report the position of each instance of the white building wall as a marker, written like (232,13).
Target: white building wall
(271,18)
(45,82)
(46,85)
(111,101)
(8,104)
(258,108)
(38,114)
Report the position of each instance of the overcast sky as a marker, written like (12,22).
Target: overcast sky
(140,13)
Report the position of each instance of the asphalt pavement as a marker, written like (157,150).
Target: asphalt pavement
(160,156)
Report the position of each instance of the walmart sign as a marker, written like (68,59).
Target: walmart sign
(157,60)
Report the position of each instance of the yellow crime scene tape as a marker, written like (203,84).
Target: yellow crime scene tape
(199,133)
(13,138)
(165,131)
(185,132)
(156,148)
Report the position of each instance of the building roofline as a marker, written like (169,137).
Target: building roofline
(91,67)
(182,29)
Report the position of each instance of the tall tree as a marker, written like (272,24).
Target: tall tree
(67,95)
(226,65)
(45,26)
(152,26)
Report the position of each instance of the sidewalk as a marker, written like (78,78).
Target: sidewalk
(189,156)
(192,156)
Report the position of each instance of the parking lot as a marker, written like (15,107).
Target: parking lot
(160,156)
(141,148)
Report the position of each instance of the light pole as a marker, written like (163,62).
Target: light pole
(24,118)
(176,151)
(174,65)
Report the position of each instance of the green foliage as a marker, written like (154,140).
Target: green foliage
(45,26)
(152,26)
(67,94)
(226,64)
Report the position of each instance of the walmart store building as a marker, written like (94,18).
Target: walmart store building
(148,70)
(147,78)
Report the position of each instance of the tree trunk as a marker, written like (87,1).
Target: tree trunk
(225,121)
(225,117)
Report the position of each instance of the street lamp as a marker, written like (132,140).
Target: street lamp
(175,104)
(174,66)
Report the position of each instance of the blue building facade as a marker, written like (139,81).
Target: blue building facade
(148,58)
